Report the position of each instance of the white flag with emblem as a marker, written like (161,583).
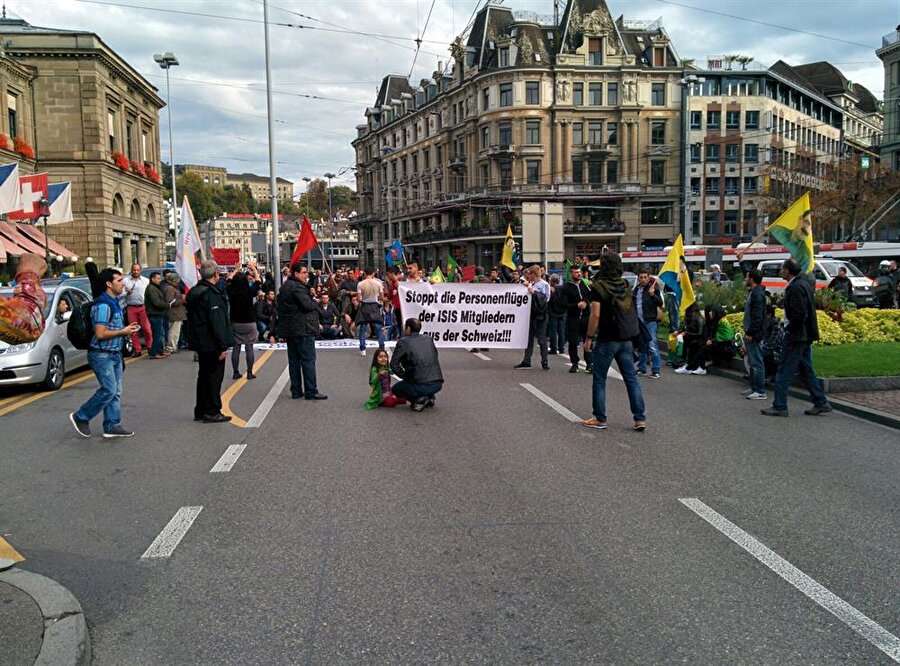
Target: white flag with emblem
(188,245)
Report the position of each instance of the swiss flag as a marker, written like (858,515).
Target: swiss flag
(306,240)
(31,190)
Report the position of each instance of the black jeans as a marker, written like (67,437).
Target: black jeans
(538,329)
(576,330)
(412,392)
(301,351)
(210,373)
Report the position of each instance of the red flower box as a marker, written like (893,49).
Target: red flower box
(4,142)
(21,146)
(152,174)
(138,168)
(120,160)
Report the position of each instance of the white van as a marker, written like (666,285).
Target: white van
(825,271)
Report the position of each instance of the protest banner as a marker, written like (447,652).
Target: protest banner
(493,316)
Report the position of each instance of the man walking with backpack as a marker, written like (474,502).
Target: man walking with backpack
(614,321)
(540,299)
(105,359)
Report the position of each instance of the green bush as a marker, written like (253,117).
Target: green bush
(729,295)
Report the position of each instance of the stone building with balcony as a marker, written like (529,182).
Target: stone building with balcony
(752,135)
(94,121)
(583,111)
(890,56)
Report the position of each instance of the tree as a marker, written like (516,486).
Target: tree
(200,195)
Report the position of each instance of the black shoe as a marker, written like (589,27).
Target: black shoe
(118,431)
(198,417)
(429,402)
(545,366)
(589,369)
(418,405)
(82,427)
(815,411)
(135,354)
(216,418)
(771,411)
(317,396)
(235,375)
(250,375)
(520,366)
(573,369)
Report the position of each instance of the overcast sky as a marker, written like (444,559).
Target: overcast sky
(218,91)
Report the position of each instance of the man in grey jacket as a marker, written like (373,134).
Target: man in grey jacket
(416,362)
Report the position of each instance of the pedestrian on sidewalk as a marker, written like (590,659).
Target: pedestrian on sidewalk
(209,334)
(754,334)
(648,302)
(105,358)
(135,286)
(802,331)
(242,286)
(177,311)
(539,290)
(157,310)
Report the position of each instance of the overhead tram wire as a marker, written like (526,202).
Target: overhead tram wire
(277,92)
(419,40)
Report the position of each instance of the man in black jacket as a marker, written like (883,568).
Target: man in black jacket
(577,298)
(210,335)
(648,301)
(802,331)
(754,334)
(298,324)
(416,362)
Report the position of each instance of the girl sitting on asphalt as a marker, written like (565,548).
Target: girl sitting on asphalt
(380,381)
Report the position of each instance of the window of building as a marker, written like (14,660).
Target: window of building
(751,152)
(505,133)
(485,137)
(695,223)
(595,94)
(111,128)
(696,155)
(696,120)
(750,183)
(485,174)
(506,94)
(731,222)
(612,172)
(749,221)
(657,172)
(712,185)
(578,94)
(532,92)
(713,120)
(656,212)
(577,171)
(504,58)
(659,57)
(577,134)
(595,132)
(658,132)
(712,152)
(533,171)
(732,186)
(533,132)
(711,223)
(485,99)
(505,175)
(732,152)
(612,133)
(612,94)
(12,114)
(695,187)
(595,172)
(658,94)
(144,153)
(733,120)
(129,131)
(595,51)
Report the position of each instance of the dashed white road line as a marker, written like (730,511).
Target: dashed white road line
(615,374)
(861,624)
(164,544)
(229,458)
(269,401)
(481,356)
(547,400)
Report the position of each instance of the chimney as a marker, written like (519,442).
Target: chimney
(440,66)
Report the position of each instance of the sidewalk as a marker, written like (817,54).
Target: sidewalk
(41,622)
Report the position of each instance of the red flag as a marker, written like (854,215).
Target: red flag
(306,240)
(468,273)
(32,189)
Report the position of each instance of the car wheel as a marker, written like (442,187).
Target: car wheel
(56,371)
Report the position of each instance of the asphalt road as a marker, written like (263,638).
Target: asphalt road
(491,528)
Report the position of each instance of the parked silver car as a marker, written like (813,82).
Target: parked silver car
(46,360)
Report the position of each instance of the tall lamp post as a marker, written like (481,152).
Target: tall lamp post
(308,180)
(166,61)
(329,176)
(686,226)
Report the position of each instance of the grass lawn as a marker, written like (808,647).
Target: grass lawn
(860,359)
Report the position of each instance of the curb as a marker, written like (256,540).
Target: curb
(66,640)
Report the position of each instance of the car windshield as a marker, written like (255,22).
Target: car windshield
(831,267)
(6,292)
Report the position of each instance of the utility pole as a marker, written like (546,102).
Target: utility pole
(273,185)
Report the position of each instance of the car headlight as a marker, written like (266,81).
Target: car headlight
(19,349)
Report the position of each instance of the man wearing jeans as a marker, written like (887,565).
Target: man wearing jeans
(754,334)
(610,287)
(648,300)
(802,331)
(105,359)
(416,362)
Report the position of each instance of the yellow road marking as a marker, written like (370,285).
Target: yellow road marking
(8,552)
(28,398)
(237,386)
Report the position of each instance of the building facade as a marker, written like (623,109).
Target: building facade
(752,136)
(95,123)
(211,175)
(890,56)
(259,186)
(583,111)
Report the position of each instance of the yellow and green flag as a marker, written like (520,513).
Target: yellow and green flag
(509,256)
(436,276)
(675,275)
(793,229)
(452,269)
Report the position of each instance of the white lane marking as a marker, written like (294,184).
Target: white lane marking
(269,401)
(481,356)
(547,400)
(172,534)
(615,374)
(868,629)
(229,458)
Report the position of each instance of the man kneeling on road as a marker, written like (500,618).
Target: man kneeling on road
(416,362)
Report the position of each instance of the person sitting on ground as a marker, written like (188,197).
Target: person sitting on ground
(22,314)
(329,319)
(694,342)
(380,381)
(720,346)
(350,313)
(416,362)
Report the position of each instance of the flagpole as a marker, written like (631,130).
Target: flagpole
(276,249)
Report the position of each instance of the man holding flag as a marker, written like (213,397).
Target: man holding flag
(306,240)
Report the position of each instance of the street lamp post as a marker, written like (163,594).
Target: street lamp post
(166,61)
(686,82)
(308,180)
(329,176)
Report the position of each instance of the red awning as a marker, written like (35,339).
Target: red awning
(23,243)
(37,235)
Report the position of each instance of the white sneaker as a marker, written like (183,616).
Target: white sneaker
(757,396)
(747,392)
(682,370)
(362,352)
(698,371)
